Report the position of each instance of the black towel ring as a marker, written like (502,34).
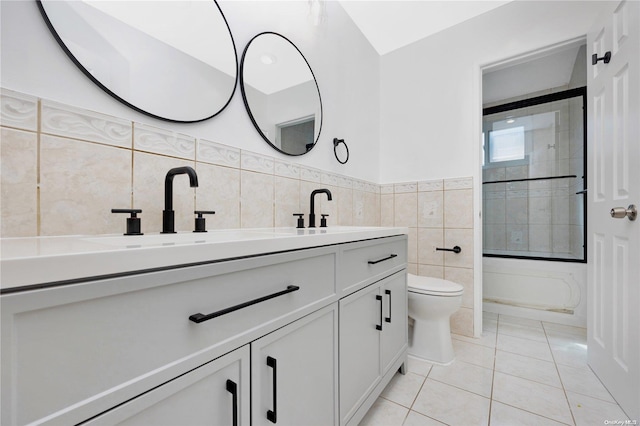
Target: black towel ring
(337,142)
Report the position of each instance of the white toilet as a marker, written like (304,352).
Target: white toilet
(431,302)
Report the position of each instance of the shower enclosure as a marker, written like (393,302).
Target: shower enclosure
(534,174)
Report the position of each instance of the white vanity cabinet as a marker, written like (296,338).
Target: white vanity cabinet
(261,380)
(373,323)
(224,341)
(70,352)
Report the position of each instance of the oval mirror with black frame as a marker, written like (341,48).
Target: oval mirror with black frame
(173,60)
(281,93)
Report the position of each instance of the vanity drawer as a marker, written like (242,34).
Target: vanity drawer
(366,262)
(77,350)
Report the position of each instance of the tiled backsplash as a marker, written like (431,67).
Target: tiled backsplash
(439,213)
(64,169)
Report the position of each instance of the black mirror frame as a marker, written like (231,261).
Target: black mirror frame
(246,103)
(118,98)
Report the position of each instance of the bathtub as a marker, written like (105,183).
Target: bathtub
(536,289)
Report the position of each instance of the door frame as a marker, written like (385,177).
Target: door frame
(480,69)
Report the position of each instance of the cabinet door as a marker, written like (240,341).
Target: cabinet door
(216,393)
(360,318)
(295,372)
(394,328)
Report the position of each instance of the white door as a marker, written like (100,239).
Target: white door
(613,155)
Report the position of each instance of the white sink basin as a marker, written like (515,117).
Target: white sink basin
(149,240)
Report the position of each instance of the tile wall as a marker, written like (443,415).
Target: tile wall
(439,213)
(64,169)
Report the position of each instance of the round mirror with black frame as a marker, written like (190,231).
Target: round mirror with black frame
(281,93)
(175,61)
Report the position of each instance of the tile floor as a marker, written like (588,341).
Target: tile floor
(521,372)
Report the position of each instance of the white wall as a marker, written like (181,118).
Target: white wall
(431,100)
(430,96)
(345,64)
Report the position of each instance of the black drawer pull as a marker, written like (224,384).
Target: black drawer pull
(232,388)
(455,249)
(388,293)
(272,415)
(391,256)
(198,318)
(379,326)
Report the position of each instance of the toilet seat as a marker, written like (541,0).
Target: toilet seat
(433,286)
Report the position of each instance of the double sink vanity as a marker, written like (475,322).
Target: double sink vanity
(249,326)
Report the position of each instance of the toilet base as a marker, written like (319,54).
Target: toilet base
(434,344)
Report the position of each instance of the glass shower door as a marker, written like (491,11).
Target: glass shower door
(534,178)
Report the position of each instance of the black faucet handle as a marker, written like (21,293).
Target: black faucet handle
(133,222)
(323,220)
(200,221)
(300,220)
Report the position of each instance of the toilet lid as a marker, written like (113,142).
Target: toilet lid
(434,286)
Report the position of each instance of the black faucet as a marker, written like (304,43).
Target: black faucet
(168,217)
(312,214)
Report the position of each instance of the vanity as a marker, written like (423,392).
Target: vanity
(249,326)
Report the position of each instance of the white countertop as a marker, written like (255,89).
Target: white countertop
(40,260)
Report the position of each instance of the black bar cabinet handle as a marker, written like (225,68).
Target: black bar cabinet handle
(198,318)
(379,326)
(391,256)
(388,293)
(272,414)
(456,249)
(232,388)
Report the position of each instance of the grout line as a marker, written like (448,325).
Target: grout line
(38,171)
(415,398)
(493,373)
(555,364)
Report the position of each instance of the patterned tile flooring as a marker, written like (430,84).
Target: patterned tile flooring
(521,372)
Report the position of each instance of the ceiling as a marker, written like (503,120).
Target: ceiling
(392,24)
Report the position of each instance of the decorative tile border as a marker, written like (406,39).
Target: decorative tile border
(76,123)
(405,187)
(18,110)
(159,141)
(386,188)
(286,169)
(431,185)
(329,179)
(215,153)
(345,182)
(310,174)
(458,183)
(256,162)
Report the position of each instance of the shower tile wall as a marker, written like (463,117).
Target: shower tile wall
(439,213)
(539,217)
(64,169)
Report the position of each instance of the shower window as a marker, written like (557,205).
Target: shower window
(534,174)
(506,144)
